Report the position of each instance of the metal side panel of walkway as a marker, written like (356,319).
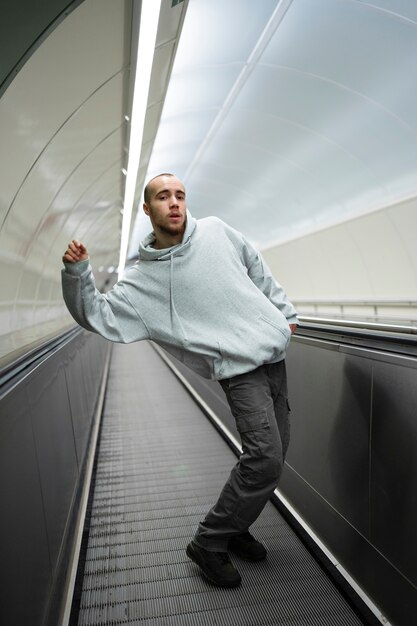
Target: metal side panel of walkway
(161,465)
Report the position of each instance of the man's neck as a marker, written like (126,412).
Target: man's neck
(164,240)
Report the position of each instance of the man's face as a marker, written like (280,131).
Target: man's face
(166,206)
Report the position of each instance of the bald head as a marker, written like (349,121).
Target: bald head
(164,203)
(147,193)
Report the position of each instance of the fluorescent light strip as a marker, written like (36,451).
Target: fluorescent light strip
(149,18)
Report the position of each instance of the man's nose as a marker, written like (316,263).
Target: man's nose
(173,200)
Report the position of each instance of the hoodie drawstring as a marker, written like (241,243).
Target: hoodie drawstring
(173,312)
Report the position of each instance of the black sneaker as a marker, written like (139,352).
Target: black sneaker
(216,566)
(246,547)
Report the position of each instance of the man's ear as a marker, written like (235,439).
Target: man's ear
(146,208)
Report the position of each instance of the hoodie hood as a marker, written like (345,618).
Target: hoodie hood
(148,253)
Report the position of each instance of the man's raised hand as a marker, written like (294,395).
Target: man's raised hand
(75,252)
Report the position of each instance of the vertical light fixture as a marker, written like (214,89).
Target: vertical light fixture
(149,18)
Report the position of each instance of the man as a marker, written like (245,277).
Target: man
(203,293)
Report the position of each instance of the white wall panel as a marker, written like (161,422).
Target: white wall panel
(369,258)
(77,58)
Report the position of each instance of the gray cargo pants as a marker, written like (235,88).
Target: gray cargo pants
(258,401)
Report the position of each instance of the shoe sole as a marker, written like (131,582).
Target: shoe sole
(193,556)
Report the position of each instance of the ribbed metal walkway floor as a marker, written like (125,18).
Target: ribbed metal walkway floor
(161,465)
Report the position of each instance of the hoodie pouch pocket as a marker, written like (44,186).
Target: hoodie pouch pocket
(282,330)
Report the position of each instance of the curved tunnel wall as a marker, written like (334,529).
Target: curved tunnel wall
(63,136)
(23,26)
(65,128)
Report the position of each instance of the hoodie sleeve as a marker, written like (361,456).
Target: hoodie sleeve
(261,275)
(110,315)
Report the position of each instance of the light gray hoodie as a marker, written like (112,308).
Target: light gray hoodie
(211,301)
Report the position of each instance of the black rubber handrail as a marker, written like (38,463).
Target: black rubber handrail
(14,368)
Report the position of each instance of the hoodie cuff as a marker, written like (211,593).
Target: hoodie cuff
(293,320)
(77,269)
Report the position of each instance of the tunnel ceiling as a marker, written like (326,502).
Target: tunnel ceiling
(286,117)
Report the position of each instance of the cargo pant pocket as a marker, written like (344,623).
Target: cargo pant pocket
(259,462)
